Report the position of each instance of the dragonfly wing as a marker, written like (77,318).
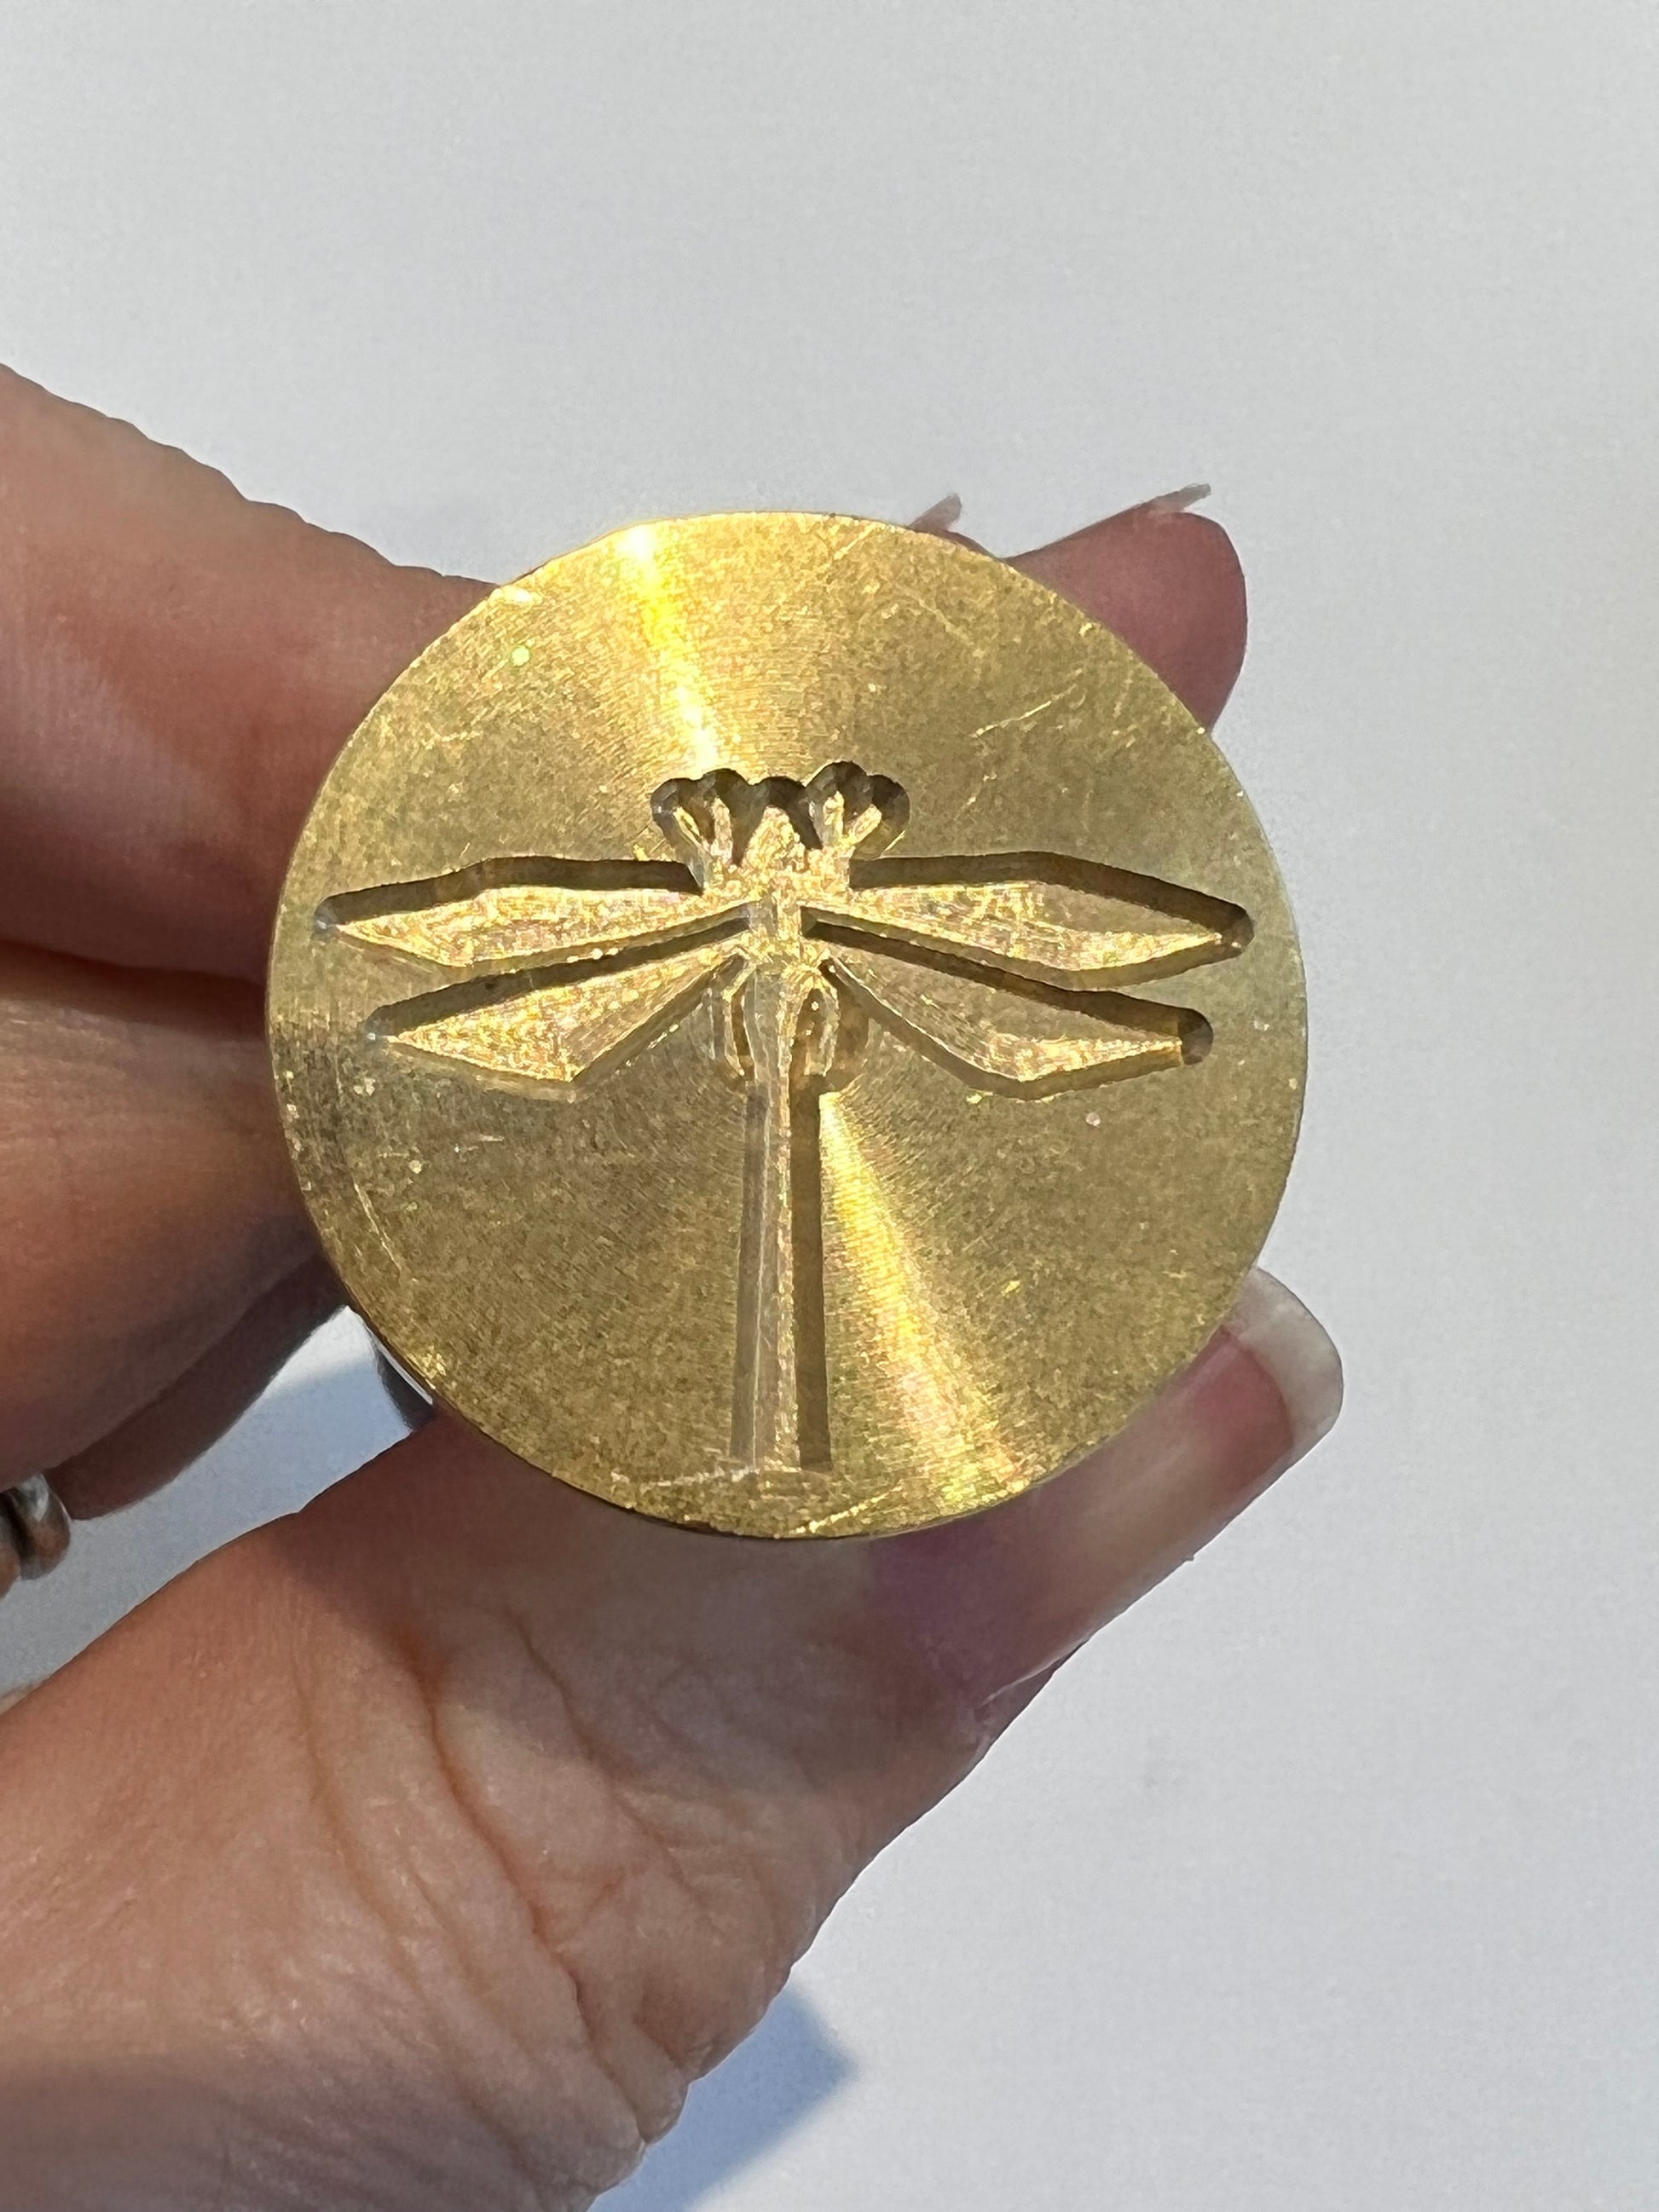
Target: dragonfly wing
(553,1026)
(1018,1036)
(1045,915)
(509,911)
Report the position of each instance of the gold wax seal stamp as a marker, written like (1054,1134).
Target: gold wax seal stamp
(787,1025)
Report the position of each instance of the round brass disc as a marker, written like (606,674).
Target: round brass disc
(787,1025)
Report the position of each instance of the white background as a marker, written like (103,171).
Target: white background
(1328,1879)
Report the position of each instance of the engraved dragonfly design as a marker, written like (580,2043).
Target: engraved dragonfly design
(783,927)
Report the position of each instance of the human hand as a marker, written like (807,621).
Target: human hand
(418,1850)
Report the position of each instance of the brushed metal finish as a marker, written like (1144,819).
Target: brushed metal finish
(786,1024)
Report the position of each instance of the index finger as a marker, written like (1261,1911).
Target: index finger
(179,665)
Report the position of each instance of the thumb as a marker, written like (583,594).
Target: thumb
(421,1850)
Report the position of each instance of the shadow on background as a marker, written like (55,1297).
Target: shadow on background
(769,2085)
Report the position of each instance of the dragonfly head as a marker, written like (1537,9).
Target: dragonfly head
(752,838)
(848,812)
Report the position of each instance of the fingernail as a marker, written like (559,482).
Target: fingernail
(998,1600)
(944,515)
(1275,1328)
(1181,501)
(1171,502)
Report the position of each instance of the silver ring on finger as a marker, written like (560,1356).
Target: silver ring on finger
(34,1531)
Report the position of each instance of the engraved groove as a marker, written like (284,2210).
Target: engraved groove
(501,913)
(550,1028)
(1049,916)
(968,1018)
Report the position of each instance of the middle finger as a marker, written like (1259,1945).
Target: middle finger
(146,1201)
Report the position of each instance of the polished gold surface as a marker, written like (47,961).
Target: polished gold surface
(722,1007)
